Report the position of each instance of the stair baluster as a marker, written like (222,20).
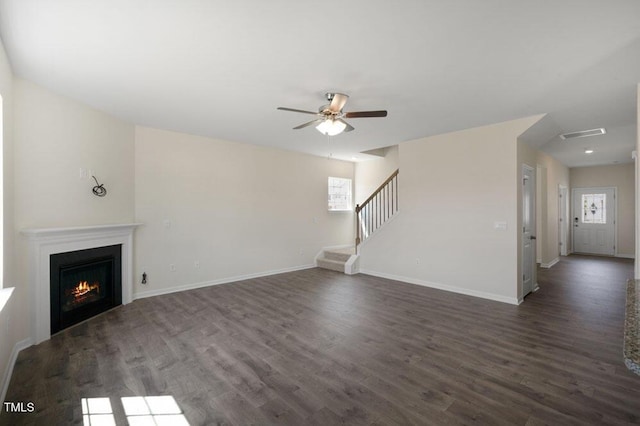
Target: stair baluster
(377,209)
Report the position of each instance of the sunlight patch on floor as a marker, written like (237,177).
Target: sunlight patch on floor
(139,411)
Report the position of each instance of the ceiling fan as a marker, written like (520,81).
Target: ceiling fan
(330,117)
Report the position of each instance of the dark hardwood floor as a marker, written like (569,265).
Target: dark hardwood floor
(317,347)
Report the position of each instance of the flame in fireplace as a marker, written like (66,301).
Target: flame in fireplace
(83,288)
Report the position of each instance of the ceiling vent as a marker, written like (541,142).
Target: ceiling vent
(583,133)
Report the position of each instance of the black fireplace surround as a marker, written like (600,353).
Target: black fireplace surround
(84,283)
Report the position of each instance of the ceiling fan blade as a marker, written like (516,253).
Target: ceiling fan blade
(364,114)
(349,126)
(338,102)
(310,123)
(297,110)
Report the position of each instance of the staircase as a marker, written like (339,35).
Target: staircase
(341,260)
(374,212)
(377,210)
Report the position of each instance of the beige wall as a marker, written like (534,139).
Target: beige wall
(237,209)
(6,91)
(621,176)
(55,137)
(454,188)
(9,334)
(369,175)
(550,174)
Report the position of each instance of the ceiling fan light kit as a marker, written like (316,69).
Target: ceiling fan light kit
(329,121)
(331,127)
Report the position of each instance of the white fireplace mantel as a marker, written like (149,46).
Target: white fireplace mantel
(43,242)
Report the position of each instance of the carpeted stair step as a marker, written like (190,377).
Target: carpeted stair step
(337,255)
(334,265)
(336,259)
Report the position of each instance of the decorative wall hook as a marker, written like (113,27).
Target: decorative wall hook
(99,189)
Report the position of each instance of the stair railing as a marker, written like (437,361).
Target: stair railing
(377,209)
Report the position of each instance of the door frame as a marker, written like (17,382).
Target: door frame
(615,219)
(534,277)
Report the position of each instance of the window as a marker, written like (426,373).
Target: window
(339,194)
(594,208)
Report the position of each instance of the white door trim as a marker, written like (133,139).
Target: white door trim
(530,262)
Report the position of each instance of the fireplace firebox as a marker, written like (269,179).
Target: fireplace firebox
(84,283)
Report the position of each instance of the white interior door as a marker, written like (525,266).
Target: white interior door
(594,214)
(563,220)
(528,227)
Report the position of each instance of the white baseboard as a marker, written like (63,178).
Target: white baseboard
(6,378)
(445,287)
(550,264)
(625,256)
(159,292)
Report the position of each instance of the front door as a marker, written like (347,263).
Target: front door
(594,216)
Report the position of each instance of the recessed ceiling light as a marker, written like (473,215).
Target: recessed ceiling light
(588,151)
(583,133)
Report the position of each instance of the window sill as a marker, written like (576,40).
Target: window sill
(5,295)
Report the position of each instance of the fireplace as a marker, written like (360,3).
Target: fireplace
(84,283)
(45,242)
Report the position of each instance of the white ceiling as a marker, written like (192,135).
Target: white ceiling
(220,68)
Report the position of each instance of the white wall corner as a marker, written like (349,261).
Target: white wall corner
(352,266)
